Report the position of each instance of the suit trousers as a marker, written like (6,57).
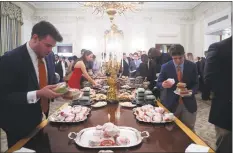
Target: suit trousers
(185,116)
(220,132)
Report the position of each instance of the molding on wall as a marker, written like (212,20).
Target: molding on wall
(27,10)
(206,9)
(149,17)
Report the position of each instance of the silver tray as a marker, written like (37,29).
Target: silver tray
(82,138)
(52,118)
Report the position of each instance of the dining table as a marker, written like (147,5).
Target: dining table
(164,137)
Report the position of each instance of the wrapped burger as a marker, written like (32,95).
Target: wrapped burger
(61,88)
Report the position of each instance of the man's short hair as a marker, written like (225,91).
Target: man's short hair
(124,54)
(135,53)
(176,50)
(44,28)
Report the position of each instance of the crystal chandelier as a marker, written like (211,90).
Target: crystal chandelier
(112,8)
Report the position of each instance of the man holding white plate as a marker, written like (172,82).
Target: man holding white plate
(183,106)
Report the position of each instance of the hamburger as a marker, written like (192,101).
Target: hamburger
(181,88)
(61,88)
(181,85)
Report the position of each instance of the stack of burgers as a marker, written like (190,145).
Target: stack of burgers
(86,96)
(61,88)
(140,96)
(181,88)
(149,97)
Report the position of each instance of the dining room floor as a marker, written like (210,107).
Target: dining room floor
(203,128)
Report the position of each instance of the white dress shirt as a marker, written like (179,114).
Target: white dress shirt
(63,68)
(31,95)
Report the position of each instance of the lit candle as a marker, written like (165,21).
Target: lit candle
(109,117)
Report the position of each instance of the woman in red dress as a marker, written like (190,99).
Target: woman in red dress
(80,70)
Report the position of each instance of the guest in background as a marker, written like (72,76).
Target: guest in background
(59,67)
(96,65)
(70,69)
(131,56)
(27,75)
(82,51)
(190,57)
(143,52)
(205,90)
(134,65)
(64,65)
(80,70)
(218,77)
(70,59)
(152,69)
(143,69)
(198,64)
(139,56)
(161,58)
(124,69)
(182,71)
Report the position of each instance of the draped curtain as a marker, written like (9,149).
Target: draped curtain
(11,21)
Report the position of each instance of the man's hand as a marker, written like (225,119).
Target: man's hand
(167,84)
(47,92)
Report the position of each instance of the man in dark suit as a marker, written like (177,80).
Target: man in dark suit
(183,107)
(59,68)
(218,77)
(125,66)
(27,75)
(205,92)
(161,58)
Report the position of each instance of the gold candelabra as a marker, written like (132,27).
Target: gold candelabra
(112,69)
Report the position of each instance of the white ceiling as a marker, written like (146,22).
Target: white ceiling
(145,6)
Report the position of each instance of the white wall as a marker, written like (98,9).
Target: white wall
(141,31)
(204,13)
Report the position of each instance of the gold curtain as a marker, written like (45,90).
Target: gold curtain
(11,21)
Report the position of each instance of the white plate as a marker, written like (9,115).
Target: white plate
(183,95)
(99,104)
(127,104)
(84,136)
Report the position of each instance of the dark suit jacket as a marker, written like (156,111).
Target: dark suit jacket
(190,77)
(58,69)
(132,65)
(198,63)
(164,58)
(143,70)
(17,78)
(218,77)
(125,71)
(202,66)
